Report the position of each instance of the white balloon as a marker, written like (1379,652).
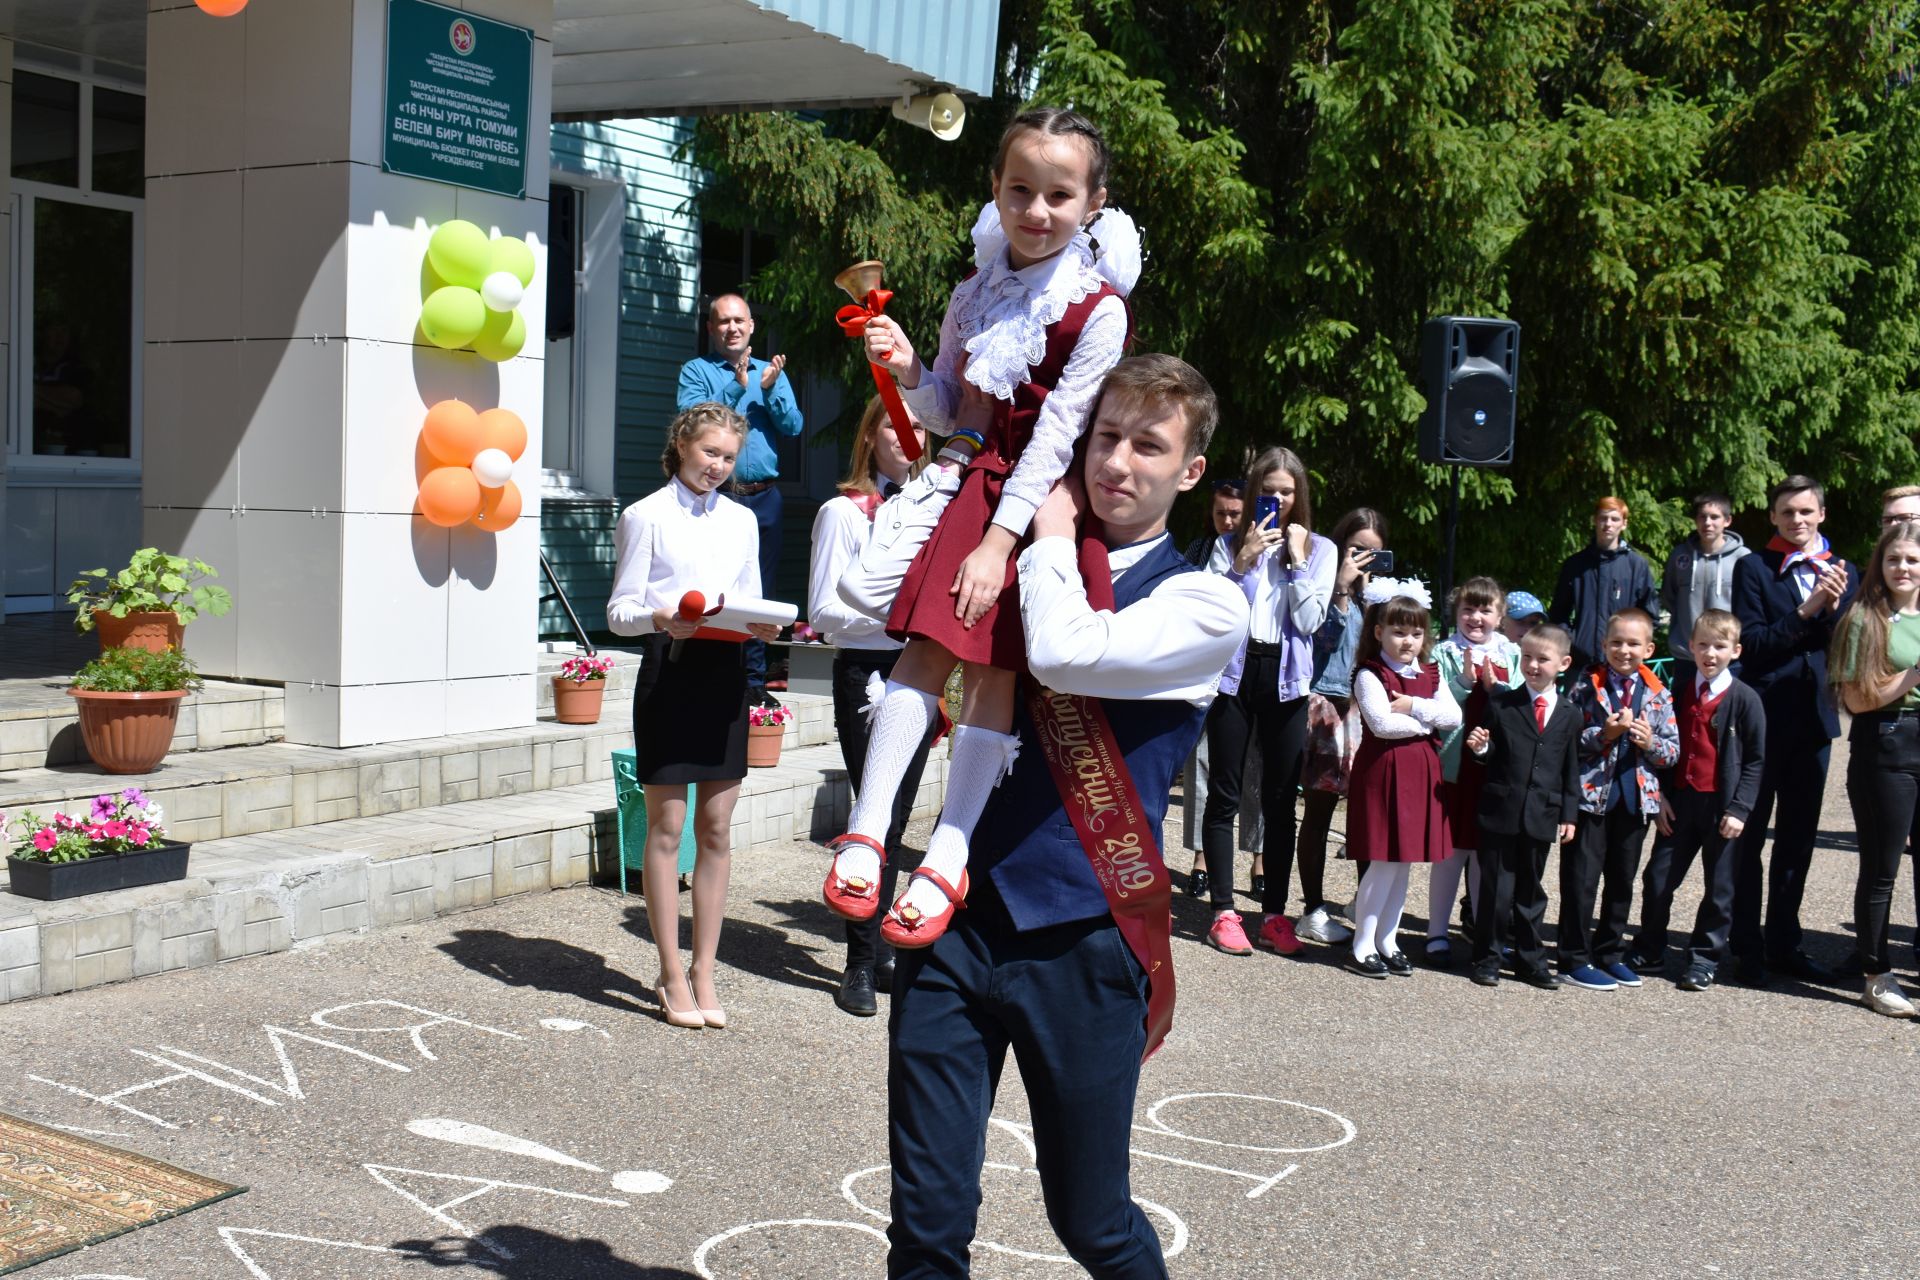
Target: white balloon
(492,467)
(502,291)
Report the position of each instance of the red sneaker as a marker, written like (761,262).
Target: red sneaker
(1227,935)
(853,899)
(1276,935)
(907,926)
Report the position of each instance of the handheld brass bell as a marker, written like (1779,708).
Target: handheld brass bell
(860,279)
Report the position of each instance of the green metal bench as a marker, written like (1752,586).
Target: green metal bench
(630,819)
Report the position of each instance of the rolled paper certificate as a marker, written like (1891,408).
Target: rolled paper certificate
(729,618)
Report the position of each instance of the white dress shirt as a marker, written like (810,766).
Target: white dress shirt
(1704,688)
(840,533)
(1301,593)
(1551,697)
(1000,295)
(674,541)
(1170,645)
(1429,715)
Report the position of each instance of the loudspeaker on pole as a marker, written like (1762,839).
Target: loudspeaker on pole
(1470,366)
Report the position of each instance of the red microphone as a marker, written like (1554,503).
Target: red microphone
(692,607)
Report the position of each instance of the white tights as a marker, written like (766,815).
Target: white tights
(1443,888)
(1377,908)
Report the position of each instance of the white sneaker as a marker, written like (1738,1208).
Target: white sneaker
(1883,995)
(1318,926)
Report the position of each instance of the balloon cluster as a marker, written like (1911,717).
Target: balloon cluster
(221,8)
(480,283)
(474,454)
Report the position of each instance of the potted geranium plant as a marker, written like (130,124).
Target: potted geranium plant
(146,604)
(119,844)
(766,730)
(579,688)
(129,702)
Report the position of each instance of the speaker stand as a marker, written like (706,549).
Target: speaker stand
(1446,565)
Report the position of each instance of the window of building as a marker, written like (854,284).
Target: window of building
(78,175)
(563,437)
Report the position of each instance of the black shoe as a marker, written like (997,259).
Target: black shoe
(1798,964)
(1440,953)
(1749,973)
(1258,886)
(1485,975)
(1543,979)
(855,995)
(1371,967)
(883,976)
(1198,884)
(1641,962)
(1698,977)
(1397,963)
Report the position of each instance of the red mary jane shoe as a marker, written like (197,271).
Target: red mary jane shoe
(907,926)
(854,899)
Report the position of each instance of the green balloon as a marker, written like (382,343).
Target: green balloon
(460,253)
(502,336)
(452,317)
(511,254)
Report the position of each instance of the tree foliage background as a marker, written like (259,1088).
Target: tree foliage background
(1705,215)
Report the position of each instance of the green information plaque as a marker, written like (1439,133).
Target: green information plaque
(458,88)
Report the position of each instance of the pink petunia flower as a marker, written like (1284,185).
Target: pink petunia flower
(95,831)
(44,839)
(140,836)
(116,830)
(134,796)
(64,822)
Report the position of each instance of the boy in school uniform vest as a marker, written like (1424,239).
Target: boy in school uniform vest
(1709,797)
(1529,738)
(1036,963)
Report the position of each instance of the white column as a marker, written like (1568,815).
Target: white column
(286,380)
(6,276)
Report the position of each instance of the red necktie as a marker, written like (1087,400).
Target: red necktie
(1540,712)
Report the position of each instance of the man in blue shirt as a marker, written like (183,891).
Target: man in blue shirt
(758,391)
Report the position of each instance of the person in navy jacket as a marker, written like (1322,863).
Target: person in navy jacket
(1036,963)
(1788,597)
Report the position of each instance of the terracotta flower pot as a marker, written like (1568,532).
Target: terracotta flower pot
(763,745)
(128,732)
(157,631)
(577,701)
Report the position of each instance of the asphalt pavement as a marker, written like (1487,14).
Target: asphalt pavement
(494,1093)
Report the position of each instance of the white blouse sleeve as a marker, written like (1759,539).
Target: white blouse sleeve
(1062,419)
(938,395)
(627,611)
(747,581)
(1440,713)
(839,532)
(1371,697)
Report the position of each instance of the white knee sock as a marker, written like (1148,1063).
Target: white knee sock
(900,721)
(1443,890)
(981,758)
(1388,925)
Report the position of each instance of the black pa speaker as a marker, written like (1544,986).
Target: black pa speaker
(1470,367)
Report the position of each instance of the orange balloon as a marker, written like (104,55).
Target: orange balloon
(449,496)
(502,429)
(221,8)
(453,433)
(499,508)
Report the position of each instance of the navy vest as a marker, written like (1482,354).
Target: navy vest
(1026,860)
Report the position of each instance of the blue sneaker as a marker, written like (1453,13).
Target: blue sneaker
(1621,974)
(1589,978)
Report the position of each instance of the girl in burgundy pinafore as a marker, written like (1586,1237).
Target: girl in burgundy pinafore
(1027,339)
(1395,817)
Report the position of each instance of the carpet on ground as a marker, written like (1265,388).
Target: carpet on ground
(60,1192)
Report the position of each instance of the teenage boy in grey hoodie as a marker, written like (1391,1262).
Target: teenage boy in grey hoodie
(1699,574)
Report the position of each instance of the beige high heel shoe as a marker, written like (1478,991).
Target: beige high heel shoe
(674,1017)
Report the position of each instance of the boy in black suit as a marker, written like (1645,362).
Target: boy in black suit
(1788,596)
(1530,741)
(1711,793)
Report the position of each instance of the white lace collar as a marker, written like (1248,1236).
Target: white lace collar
(1003,314)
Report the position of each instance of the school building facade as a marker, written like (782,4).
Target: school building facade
(216,232)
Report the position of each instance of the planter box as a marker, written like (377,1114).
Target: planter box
(51,881)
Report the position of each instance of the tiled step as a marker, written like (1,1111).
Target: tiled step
(212,795)
(254,894)
(39,726)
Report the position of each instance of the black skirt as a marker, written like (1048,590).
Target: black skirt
(690,712)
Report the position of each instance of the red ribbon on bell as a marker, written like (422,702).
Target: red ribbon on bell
(862,283)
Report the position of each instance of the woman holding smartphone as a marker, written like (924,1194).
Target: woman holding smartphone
(1287,572)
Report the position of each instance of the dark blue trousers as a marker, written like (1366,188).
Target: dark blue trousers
(766,507)
(1070,1001)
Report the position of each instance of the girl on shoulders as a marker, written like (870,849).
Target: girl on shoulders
(1394,814)
(690,696)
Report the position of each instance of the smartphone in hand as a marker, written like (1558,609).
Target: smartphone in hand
(1266,511)
(1381,564)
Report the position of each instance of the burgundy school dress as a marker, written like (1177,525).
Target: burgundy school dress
(1394,812)
(924,607)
